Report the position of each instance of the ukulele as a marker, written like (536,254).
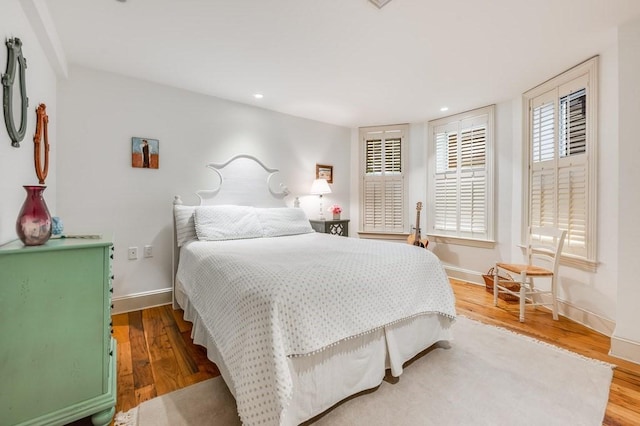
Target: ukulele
(414,239)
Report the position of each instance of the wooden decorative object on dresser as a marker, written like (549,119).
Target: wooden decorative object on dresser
(42,131)
(58,356)
(334,227)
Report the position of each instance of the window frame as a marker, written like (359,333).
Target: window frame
(587,71)
(362,147)
(458,236)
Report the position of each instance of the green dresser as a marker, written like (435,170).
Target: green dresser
(57,356)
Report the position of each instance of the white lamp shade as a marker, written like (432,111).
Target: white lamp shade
(319,187)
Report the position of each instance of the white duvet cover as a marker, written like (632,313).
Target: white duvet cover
(266,299)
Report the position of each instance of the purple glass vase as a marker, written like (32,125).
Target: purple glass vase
(34,221)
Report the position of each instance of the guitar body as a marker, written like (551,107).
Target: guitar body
(415,239)
(421,242)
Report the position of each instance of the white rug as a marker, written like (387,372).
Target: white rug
(487,376)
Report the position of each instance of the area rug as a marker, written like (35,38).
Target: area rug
(485,376)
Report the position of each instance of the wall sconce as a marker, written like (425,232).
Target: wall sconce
(320,187)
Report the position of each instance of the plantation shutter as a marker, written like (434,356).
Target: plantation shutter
(559,168)
(446,180)
(383,194)
(461,178)
(573,166)
(473,142)
(543,173)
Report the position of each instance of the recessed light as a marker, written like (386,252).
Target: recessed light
(258,95)
(443,109)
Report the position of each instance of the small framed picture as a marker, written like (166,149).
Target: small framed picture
(324,172)
(145,153)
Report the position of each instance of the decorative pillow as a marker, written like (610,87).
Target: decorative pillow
(215,223)
(185,225)
(278,222)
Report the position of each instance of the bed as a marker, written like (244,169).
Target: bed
(295,320)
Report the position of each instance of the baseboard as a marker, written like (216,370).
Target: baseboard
(139,301)
(466,275)
(625,349)
(574,313)
(588,319)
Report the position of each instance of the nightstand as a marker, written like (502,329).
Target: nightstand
(334,227)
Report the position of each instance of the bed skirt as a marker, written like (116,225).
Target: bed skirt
(323,379)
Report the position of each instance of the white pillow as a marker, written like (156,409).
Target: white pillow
(215,223)
(278,222)
(185,225)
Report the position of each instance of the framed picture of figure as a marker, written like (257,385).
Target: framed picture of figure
(145,153)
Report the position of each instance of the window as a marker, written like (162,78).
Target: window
(460,182)
(382,186)
(560,174)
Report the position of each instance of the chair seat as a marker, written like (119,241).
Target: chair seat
(531,270)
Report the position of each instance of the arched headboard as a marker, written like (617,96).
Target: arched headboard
(242,180)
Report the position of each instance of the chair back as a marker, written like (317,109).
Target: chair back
(546,243)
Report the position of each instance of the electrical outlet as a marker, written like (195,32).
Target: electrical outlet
(148,251)
(133,253)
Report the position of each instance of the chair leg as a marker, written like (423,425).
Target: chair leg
(495,285)
(554,298)
(523,294)
(532,293)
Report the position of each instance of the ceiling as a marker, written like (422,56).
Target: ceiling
(345,62)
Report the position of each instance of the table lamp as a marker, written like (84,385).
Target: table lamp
(320,187)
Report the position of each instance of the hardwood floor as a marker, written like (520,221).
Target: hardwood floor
(156,355)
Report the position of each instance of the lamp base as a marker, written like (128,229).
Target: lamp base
(321,216)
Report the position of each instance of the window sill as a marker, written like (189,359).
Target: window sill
(469,242)
(574,261)
(383,236)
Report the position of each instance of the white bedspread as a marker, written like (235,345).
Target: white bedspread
(267,299)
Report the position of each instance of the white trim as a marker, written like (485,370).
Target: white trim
(143,300)
(466,275)
(625,349)
(587,318)
(469,242)
(383,236)
(573,261)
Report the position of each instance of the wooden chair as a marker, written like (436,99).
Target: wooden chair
(543,244)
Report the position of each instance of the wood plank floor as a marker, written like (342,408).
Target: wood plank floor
(156,355)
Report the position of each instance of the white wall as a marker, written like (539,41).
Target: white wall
(99,191)
(16,164)
(625,342)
